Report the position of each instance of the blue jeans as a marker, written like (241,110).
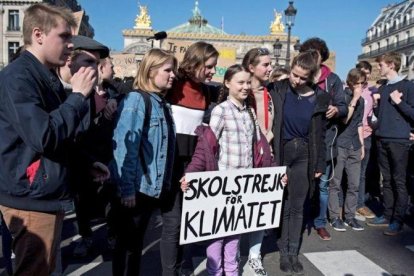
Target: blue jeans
(320,221)
(364,165)
(255,243)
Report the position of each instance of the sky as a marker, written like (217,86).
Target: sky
(341,23)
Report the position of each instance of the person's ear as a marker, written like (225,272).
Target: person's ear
(37,35)
(251,68)
(227,84)
(100,67)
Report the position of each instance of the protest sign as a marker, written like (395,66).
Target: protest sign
(125,65)
(224,203)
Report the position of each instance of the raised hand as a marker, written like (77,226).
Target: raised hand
(84,80)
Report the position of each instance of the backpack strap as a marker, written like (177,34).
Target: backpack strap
(148,107)
(148,110)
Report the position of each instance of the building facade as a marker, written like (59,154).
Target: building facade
(196,29)
(11,24)
(392,30)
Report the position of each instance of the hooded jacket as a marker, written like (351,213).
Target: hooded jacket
(205,157)
(332,84)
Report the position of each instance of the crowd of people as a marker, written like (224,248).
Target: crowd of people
(71,133)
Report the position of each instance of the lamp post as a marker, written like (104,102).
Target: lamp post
(277,49)
(290,14)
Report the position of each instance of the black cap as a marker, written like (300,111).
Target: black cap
(81,42)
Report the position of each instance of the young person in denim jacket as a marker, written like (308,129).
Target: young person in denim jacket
(144,141)
(228,144)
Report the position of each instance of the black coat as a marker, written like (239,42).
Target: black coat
(317,146)
(38,126)
(334,88)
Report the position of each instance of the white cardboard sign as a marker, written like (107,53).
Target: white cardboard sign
(224,203)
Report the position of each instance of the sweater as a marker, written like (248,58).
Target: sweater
(395,121)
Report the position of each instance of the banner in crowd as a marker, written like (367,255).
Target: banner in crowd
(224,203)
(125,65)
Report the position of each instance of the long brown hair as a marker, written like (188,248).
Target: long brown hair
(307,60)
(195,57)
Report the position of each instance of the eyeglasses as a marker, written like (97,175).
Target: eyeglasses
(263,51)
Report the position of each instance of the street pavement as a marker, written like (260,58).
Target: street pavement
(349,253)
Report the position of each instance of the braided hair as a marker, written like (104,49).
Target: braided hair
(224,93)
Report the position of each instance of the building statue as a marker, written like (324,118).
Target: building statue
(143,20)
(232,47)
(277,26)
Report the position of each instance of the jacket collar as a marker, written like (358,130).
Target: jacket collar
(42,69)
(396,79)
(45,73)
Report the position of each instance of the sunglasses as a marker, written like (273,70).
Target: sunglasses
(263,51)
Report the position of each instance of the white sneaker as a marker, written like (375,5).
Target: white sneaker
(256,266)
(360,217)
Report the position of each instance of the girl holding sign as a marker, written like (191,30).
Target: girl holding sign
(299,127)
(232,141)
(144,141)
(257,61)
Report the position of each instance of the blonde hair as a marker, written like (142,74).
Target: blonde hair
(45,17)
(152,60)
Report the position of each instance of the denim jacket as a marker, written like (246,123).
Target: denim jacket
(129,172)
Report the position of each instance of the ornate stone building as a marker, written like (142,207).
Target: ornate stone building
(11,23)
(392,30)
(197,28)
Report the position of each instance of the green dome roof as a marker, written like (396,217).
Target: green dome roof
(196,24)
